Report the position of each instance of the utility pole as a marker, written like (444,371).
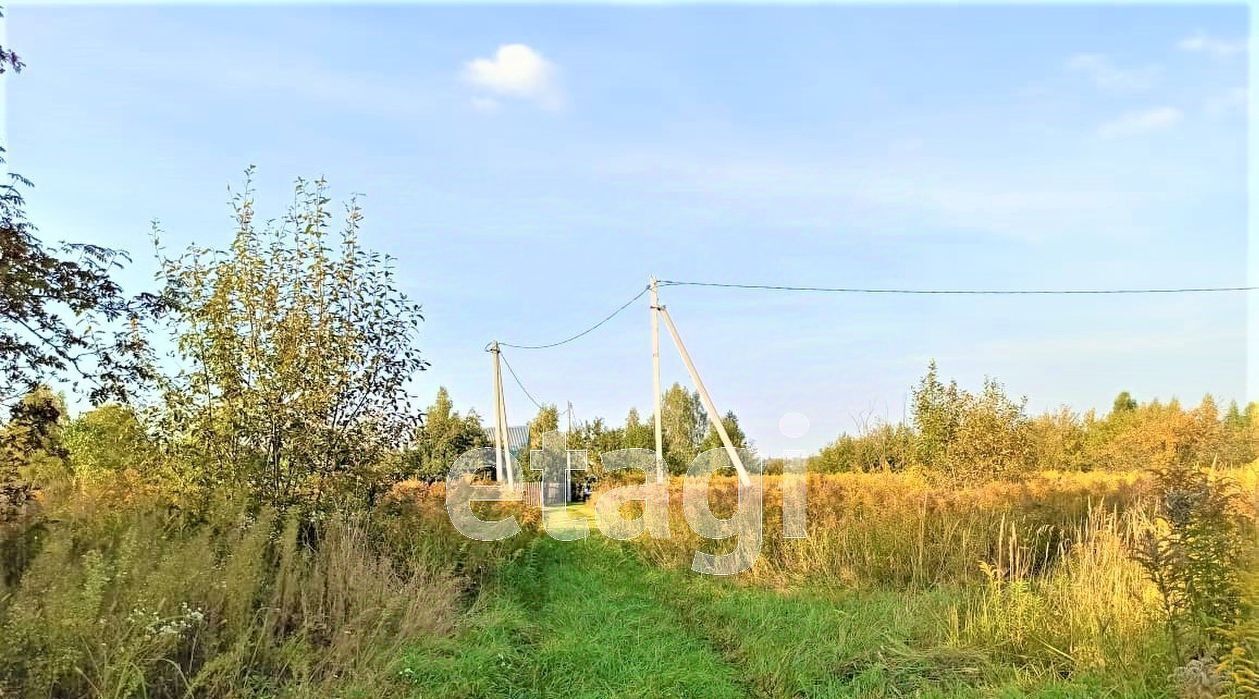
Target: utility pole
(506,437)
(498,423)
(502,453)
(655,378)
(713,416)
(568,454)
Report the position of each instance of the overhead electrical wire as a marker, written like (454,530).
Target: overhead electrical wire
(583,333)
(970,292)
(851,290)
(525,391)
(879,290)
(518,382)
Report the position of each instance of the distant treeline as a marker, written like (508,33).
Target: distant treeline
(957,433)
(987,434)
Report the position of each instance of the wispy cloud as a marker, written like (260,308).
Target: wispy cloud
(1212,46)
(485,105)
(248,70)
(1141,122)
(516,71)
(1230,102)
(898,196)
(1105,74)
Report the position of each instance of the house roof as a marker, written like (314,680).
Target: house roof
(517,436)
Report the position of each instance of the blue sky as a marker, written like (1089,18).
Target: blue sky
(526,191)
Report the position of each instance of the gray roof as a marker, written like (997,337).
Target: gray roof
(517,437)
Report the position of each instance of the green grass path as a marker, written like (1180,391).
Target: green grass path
(573,619)
(587,619)
(604,631)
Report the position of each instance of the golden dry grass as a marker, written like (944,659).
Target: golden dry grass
(903,530)
(1039,570)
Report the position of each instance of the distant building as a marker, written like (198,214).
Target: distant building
(517,438)
(517,444)
(573,488)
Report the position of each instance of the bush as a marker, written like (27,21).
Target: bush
(963,438)
(970,437)
(1193,554)
(32,452)
(293,351)
(884,447)
(145,602)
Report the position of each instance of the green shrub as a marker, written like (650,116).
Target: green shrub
(149,604)
(1194,554)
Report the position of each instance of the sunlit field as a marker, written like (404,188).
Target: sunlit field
(690,350)
(901,588)
(269,518)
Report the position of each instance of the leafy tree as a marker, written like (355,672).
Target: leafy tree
(993,437)
(547,420)
(683,422)
(968,436)
(1159,435)
(31,448)
(937,414)
(597,439)
(1206,437)
(883,447)
(1238,437)
(638,434)
(60,312)
(110,441)
(712,440)
(294,347)
(1057,441)
(444,435)
(9,60)
(1124,403)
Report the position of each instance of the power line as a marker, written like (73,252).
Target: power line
(518,382)
(874,290)
(516,378)
(583,333)
(969,292)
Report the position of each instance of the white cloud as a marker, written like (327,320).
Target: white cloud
(516,71)
(1213,46)
(1106,75)
(1141,122)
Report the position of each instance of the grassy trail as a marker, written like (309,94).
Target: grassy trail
(574,619)
(588,619)
(603,630)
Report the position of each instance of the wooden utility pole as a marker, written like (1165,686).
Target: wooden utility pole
(713,416)
(655,379)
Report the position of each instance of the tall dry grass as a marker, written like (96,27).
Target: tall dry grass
(143,601)
(1093,610)
(1040,570)
(903,530)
